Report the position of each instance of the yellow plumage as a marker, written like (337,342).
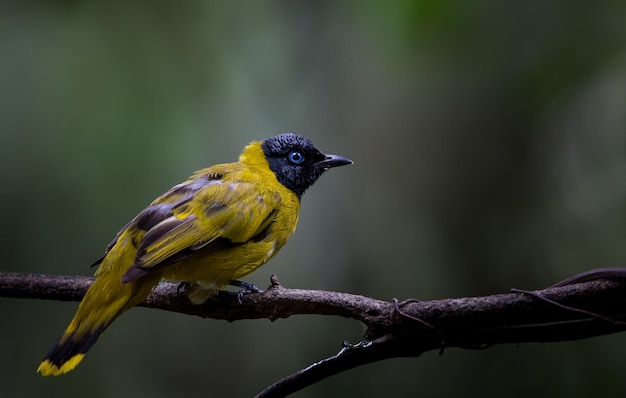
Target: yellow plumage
(220,225)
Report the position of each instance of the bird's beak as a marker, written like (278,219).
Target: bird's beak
(332,161)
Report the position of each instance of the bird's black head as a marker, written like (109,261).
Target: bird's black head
(296,162)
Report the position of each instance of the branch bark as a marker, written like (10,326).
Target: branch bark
(394,329)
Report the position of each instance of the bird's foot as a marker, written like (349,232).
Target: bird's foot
(184,287)
(246,288)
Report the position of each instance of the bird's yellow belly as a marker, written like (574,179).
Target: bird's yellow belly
(219,268)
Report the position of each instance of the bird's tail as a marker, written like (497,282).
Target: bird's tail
(105,300)
(69,351)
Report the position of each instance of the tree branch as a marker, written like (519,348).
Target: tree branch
(394,329)
(276,302)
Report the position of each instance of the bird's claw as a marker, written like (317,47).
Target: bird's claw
(246,288)
(183,287)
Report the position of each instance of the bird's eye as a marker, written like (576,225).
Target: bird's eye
(296,157)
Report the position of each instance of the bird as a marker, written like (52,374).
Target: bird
(218,226)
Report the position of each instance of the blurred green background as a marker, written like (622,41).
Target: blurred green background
(489,142)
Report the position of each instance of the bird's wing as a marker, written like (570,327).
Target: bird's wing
(217,215)
(161,208)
